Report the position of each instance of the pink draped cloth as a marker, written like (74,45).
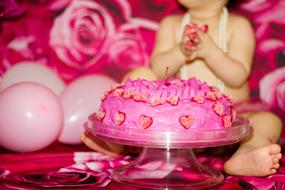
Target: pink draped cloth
(91,170)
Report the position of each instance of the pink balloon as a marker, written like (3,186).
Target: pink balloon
(30,117)
(79,99)
(29,71)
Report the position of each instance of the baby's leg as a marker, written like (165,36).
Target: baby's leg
(258,155)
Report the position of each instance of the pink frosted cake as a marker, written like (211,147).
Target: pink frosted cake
(165,105)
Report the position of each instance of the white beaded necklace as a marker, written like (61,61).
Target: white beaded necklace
(222,40)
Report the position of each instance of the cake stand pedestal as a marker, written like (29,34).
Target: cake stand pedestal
(167,160)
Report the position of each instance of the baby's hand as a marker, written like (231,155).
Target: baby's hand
(194,39)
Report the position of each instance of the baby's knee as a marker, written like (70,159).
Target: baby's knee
(268,117)
(271,116)
(140,73)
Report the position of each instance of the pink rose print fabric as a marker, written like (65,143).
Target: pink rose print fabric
(81,34)
(112,37)
(272,89)
(79,37)
(86,170)
(267,18)
(89,170)
(11,9)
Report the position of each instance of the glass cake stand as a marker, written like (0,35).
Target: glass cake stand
(167,160)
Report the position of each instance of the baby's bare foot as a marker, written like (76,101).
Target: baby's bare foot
(254,161)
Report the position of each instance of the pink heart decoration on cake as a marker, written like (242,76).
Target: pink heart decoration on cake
(155,101)
(128,94)
(104,95)
(173,100)
(227,121)
(120,118)
(186,121)
(100,115)
(145,121)
(119,92)
(140,97)
(218,108)
(210,95)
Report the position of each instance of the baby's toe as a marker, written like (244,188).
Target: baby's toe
(273,171)
(279,155)
(275,149)
(275,160)
(276,166)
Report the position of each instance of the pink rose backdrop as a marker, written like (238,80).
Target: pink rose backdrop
(80,37)
(76,38)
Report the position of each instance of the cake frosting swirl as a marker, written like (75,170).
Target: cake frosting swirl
(165,105)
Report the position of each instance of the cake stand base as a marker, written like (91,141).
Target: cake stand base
(166,168)
(166,161)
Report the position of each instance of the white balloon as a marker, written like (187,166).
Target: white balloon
(29,71)
(79,99)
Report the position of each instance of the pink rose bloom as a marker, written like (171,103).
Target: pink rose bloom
(269,50)
(80,35)
(128,49)
(272,88)
(261,11)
